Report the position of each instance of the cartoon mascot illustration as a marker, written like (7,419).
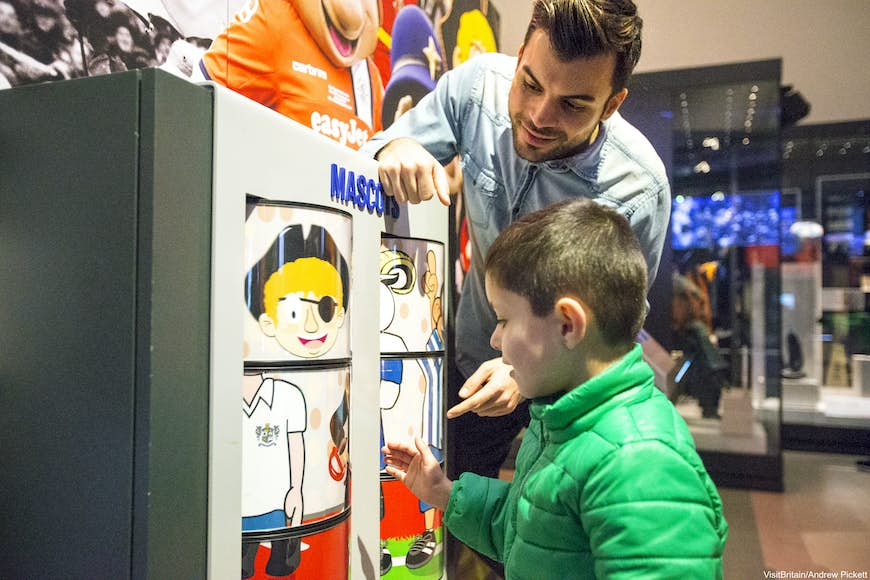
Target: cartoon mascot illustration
(310,60)
(297,292)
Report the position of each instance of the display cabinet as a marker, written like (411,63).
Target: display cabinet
(717,130)
(826,169)
(195,343)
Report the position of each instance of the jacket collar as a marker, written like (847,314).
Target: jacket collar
(579,409)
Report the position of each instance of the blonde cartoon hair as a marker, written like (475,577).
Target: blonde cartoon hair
(302,275)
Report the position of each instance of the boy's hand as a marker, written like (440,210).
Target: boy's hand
(489,392)
(416,467)
(409,173)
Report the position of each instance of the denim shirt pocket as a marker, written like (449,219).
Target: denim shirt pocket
(481,193)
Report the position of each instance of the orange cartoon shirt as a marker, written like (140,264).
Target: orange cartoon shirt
(267,54)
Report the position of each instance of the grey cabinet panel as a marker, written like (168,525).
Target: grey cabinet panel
(104,285)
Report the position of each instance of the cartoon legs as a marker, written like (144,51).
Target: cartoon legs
(284,557)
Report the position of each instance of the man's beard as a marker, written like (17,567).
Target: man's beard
(540,155)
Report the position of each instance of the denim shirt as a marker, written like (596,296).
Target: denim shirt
(467,114)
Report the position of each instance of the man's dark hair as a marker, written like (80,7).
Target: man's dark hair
(576,248)
(586,28)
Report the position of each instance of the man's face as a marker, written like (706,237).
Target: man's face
(345,30)
(555,106)
(531,344)
(307,325)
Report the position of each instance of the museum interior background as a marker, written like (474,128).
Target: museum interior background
(761,114)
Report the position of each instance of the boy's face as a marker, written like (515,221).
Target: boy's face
(555,106)
(531,344)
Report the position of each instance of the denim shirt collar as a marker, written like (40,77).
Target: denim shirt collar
(586,163)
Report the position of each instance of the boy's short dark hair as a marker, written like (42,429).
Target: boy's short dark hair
(575,248)
(585,28)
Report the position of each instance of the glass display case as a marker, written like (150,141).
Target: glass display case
(715,306)
(826,405)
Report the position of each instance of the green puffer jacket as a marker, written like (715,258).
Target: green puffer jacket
(607,485)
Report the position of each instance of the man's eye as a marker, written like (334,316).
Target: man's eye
(532,87)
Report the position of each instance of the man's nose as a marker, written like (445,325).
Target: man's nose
(542,113)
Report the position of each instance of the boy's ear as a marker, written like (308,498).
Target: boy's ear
(574,319)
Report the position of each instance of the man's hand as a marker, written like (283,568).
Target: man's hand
(410,174)
(416,467)
(489,392)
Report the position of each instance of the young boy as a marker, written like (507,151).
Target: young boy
(607,483)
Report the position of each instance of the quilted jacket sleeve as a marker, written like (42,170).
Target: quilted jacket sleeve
(652,513)
(476,513)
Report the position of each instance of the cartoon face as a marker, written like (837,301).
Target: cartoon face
(345,30)
(398,276)
(303,307)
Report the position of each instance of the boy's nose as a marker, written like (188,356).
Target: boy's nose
(495,339)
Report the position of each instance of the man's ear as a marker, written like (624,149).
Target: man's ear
(573,318)
(267,325)
(613,103)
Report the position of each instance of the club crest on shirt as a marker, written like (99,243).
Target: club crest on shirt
(267,435)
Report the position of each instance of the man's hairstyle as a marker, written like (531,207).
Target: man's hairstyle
(575,248)
(586,28)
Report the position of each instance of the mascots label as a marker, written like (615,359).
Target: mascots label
(366,194)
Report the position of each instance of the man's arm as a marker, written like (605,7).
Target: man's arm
(414,149)
(652,227)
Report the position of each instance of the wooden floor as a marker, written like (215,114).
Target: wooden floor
(821,523)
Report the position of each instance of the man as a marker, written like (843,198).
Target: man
(530,131)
